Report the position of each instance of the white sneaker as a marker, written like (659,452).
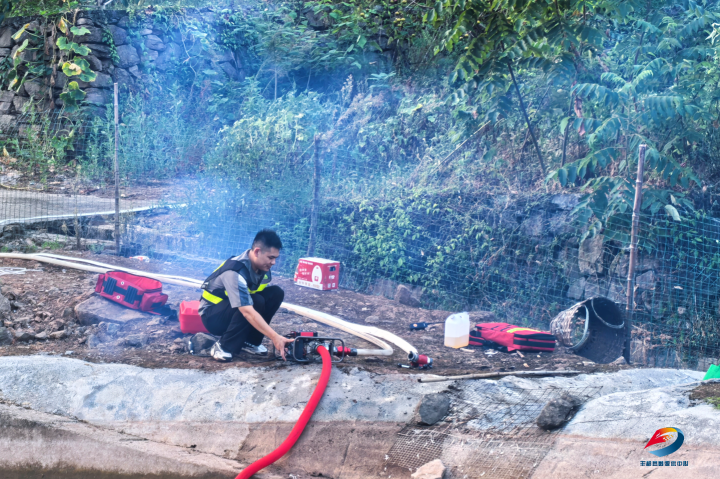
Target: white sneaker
(252,349)
(218,354)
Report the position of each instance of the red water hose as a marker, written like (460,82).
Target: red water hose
(299,425)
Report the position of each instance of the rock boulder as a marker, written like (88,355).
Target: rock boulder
(136,340)
(100,50)
(57,335)
(23,335)
(404,296)
(590,255)
(95,36)
(646,280)
(128,56)
(557,411)
(202,342)
(35,89)
(577,288)
(95,63)
(432,470)
(97,96)
(433,408)
(122,77)
(4,305)
(6,40)
(6,337)
(119,35)
(153,42)
(97,309)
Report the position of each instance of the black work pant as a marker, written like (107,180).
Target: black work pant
(232,327)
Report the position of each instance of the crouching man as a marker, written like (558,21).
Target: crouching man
(237,304)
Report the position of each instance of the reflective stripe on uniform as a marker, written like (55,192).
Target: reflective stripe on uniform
(261,287)
(211,297)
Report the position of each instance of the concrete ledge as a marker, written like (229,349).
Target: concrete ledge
(35,441)
(116,419)
(576,456)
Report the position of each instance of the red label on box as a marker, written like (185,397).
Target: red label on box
(318,273)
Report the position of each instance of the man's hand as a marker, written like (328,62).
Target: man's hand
(279,342)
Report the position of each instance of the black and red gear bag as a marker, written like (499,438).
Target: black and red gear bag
(512,337)
(132,291)
(477,340)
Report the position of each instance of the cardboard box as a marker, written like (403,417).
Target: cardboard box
(318,273)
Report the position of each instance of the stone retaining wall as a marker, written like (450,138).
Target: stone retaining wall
(142,48)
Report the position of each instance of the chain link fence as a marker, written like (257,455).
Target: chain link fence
(517,254)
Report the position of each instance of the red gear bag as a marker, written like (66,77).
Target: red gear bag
(512,337)
(132,291)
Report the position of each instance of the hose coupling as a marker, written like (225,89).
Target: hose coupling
(341,351)
(420,361)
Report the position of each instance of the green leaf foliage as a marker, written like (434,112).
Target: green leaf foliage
(72,96)
(80,49)
(79,31)
(63,43)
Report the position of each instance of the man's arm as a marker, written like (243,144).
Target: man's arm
(257,322)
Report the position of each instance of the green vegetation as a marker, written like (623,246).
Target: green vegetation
(38,50)
(421,112)
(95,248)
(51,245)
(396,86)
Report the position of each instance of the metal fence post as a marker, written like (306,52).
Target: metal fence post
(630,305)
(117,178)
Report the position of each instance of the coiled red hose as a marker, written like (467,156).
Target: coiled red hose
(297,430)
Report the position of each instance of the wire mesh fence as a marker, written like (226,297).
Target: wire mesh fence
(519,255)
(490,431)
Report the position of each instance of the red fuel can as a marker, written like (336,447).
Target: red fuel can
(318,273)
(190,321)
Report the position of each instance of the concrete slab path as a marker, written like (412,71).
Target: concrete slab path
(24,206)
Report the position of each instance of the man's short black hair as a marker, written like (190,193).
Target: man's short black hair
(267,239)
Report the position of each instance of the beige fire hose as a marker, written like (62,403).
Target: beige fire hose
(371,334)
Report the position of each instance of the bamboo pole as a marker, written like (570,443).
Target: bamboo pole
(629,306)
(316,199)
(527,121)
(437,379)
(117,178)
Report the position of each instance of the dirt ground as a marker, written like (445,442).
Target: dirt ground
(707,392)
(43,299)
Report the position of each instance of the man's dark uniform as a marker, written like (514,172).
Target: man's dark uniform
(234,284)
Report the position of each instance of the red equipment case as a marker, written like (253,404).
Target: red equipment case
(132,291)
(190,322)
(318,273)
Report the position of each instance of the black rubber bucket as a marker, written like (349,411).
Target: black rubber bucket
(593,329)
